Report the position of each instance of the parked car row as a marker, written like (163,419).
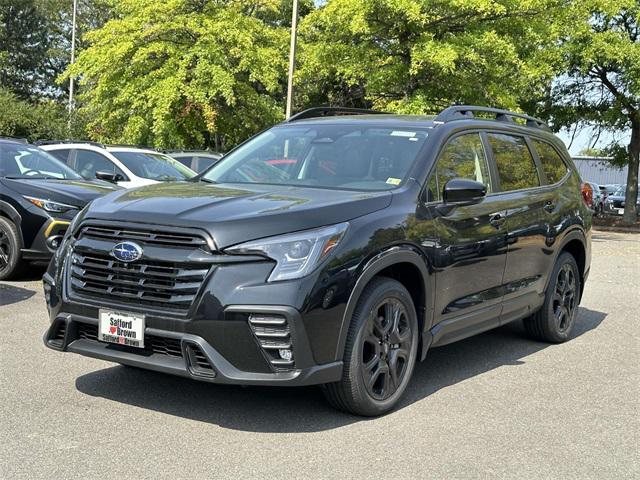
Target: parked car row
(45,185)
(128,166)
(608,199)
(39,196)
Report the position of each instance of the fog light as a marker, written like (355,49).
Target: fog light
(54,242)
(285,354)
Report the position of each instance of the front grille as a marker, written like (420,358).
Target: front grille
(149,237)
(618,203)
(152,344)
(166,285)
(274,336)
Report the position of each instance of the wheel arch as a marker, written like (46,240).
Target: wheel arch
(9,212)
(406,265)
(575,243)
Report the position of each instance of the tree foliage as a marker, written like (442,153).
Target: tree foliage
(185,72)
(418,56)
(33,121)
(23,48)
(598,60)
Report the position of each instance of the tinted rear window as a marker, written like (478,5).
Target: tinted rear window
(516,167)
(552,165)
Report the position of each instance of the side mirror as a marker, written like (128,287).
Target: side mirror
(463,191)
(107,176)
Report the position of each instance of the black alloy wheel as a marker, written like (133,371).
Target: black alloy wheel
(380,351)
(556,318)
(386,349)
(5,249)
(564,298)
(11,263)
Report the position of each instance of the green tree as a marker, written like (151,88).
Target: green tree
(23,48)
(31,120)
(599,63)
(185,73)
(418,56)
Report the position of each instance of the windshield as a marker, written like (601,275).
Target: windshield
(27,161)
(620,192)
(154,166)
(352,157)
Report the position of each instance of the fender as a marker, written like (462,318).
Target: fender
(575,233)
(8,210)
(384,259)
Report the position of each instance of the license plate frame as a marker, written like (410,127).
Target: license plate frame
(121,328)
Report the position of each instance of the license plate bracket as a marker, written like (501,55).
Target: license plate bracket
(121,328)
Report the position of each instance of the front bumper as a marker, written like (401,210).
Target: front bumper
(223,349)
(46,241)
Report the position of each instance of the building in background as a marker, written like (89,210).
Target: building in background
(599,170)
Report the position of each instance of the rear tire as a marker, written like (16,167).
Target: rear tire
(555,320)
(380,351)
(11,263)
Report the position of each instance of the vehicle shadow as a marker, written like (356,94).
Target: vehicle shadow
(303,409)
(10,294)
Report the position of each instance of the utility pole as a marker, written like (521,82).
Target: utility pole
(73,58)
(292,57)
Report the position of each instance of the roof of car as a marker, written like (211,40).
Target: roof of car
(21,141)
(95,146)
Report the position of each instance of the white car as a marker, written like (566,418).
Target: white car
(127,166)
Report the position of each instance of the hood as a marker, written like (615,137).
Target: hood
(71,192)
(234,214)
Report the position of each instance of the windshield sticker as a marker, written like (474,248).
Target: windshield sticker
(402,133)
(393,181)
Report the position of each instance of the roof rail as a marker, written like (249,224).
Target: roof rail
(462,112)
(330,112)
(54,142)
(127,145)
(15,139)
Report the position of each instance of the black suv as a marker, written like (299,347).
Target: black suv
(335,248)
(39,196)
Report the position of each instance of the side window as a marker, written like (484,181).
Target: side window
(516,167)
(462,157)
(552,163)
(62,154)
(202,163)
(89,162)
(186,161)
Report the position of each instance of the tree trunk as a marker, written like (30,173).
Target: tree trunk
(631,195)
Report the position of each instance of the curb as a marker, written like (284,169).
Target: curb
(604,228)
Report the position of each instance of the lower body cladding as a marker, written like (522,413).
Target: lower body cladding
(254,345)
(46,242)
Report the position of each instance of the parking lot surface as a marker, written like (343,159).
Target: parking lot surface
(497,405)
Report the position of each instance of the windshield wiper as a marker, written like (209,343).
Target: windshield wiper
(202,179)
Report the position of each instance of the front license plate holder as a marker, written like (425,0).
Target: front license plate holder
(121,328)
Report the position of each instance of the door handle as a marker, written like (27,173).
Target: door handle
(497,220)
(549,206)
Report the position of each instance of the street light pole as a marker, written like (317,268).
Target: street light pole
(292,57)
(73,56)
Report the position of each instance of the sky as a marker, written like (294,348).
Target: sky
(585,136)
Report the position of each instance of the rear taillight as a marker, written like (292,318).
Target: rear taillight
(587,194)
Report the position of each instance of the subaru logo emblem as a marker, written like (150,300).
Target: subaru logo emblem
(127,251)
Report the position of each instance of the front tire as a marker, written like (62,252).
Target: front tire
(380,351)
(11,263)
(555,320)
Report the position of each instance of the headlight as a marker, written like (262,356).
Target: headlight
(297,254)
(49,206)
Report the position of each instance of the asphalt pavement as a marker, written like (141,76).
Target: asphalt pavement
(494,406)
